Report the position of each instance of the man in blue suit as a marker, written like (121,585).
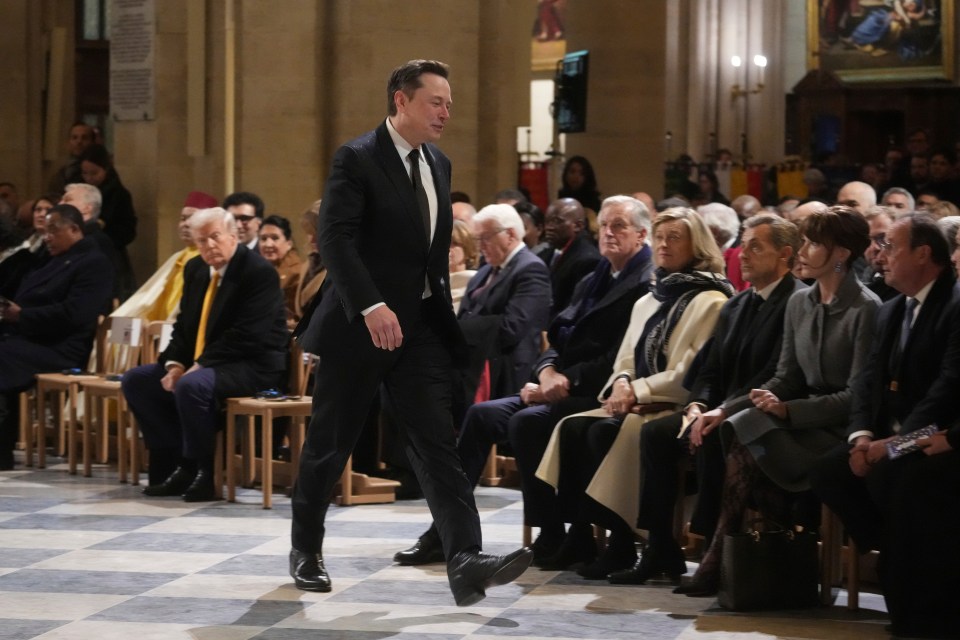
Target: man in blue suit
(386,319)
(51,321)
(506,304)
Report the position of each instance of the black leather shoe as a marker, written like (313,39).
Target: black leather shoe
(308,572)
(175,485)
(651,565)
(543,548)
(471,574)
(426,550)
(201,489)
(699,588)
(578,547)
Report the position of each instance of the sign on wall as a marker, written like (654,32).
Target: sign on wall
(133,40)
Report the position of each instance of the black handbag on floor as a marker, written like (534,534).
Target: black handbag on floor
(773,568)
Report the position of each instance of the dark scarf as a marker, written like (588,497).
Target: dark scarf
(674,291)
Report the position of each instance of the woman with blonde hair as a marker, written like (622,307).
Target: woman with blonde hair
(593,459)
(463,260)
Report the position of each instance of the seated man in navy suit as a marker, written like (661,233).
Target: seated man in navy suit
(907,506)
(230,339)
(51,321)
(566,379)
(505,307)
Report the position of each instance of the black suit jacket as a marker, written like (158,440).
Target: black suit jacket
(246,338)
(928,375)
(744,357)
(586,356)
(502,323)
(60,304)
(569,268)
(373,243)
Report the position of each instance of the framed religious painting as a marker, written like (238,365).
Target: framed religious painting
(881,40)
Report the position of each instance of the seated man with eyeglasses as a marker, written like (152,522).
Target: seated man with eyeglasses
(880,219)
(247,209)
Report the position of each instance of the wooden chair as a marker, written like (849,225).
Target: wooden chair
(155,337)
(837,561)
(122,352)
(298,407)
(66,388)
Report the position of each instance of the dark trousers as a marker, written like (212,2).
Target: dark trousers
(906,508)
(661,453)
(416,380)
(185,420)
(584,443)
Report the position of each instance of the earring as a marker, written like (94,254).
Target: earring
(837,267)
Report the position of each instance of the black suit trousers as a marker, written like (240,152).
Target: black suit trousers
(416,380)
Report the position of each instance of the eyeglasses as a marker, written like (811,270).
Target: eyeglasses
(879,239)
(486,237)
(243,219)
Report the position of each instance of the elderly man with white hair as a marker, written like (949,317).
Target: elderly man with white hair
(230,339)
(506,305)
(724,224)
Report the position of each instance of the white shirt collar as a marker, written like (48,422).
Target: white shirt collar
(767,290)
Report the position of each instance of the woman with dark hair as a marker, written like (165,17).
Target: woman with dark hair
(580,183)
(117,217)
(312,273)
(710,189)
(773,435)
(276,246)
(592,456)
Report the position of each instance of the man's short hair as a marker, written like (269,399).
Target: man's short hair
(89,195)
(950,225)
(783,233)
(531,210)
(203,217)
(911,203)
(406,78)
(68,213)
(504,215)
(924,231)
(245,197)
(638,212)
(880,210)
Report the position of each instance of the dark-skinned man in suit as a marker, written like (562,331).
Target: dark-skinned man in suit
(229,339)
(386,319)
(906,506)
(571,254)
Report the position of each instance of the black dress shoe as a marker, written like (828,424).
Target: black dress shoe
(651,565)
(578,547)
(175,485)
(699,588)
(471,574)
(426,550)
(544,547)
(308,572)
(202,488)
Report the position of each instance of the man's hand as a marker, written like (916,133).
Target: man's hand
(169,381)
(622,398)
(937,443)
(859,464)
(704,425)
(768,403)
(531,394)
(10,312)
(384,328)
(554,385)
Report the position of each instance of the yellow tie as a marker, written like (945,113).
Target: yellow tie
(205,314)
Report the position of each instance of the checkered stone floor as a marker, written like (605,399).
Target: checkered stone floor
(92,559)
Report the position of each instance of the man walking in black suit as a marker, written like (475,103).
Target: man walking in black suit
(907,506)
(230,339)
(742,355)
(386,319)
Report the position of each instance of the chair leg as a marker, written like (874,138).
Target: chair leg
(86,439)
(230,454)
(249,452)
(41,432)
(122,450)
(527,535)
(27,426)
(134,440)
(266,453)
(346,484)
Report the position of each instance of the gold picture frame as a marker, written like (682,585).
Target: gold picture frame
(881,40)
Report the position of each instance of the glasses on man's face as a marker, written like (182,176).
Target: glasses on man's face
(488,236)
(243,219)
(879,239)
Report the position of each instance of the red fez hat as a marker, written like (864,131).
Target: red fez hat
(200,200)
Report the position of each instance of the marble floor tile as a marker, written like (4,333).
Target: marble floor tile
(219,525)
(63,581)
(202,611)
(96,630)
(115,507)
(38,539)
(44,605)
(136,561)
(81,522)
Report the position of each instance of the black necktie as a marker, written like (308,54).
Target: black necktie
(421,193)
